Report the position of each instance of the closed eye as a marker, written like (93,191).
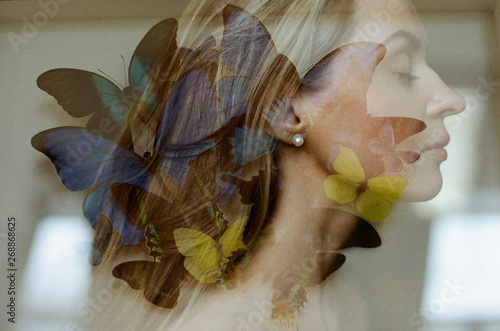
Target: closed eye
(407,76)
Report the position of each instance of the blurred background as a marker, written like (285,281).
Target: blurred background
(438,267)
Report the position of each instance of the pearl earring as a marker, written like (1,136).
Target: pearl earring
(297,140)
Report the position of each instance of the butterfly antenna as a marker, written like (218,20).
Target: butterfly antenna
(111,79)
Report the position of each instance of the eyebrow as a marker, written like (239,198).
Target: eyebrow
(413,41)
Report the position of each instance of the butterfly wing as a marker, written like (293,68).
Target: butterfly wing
(225,191)
(82,93)
(148,211)
(363,235)
(249,145)
(175,161)
(204,54)
(105,240)
(192,113)
(160,281)
(234,94)
(83,160)
(352,67)
(76,90)
(202,258)
(159,41)
(159,44)
(246,43)
(248,50)
(232,239)
(142,206)
(101,201)
(154,242)
(405,127)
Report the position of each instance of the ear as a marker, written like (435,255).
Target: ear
(297,118)
(288,118)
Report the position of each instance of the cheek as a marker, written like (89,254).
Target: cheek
(332,123)
(321,135)
(387,97)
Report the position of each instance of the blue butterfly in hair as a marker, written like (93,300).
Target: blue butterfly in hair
(82,93)
(248,50)
(84,160)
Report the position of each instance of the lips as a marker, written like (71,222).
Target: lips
(436,148)
(440,143)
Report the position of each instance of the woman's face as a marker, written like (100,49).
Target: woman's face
(402,85)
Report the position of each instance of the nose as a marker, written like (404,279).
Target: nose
(444,101)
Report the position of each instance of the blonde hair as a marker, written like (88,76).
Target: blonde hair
(303,32)
(318,26)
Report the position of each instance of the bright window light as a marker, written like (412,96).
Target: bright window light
(57,273)
(463,270)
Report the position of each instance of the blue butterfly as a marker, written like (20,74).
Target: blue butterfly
(82,93)
(249,145)
(84,160)
(248,50)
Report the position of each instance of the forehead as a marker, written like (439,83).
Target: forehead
(378,20)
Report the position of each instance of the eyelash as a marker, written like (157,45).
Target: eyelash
(407,76)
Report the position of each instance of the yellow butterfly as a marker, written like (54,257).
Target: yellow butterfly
(204,256)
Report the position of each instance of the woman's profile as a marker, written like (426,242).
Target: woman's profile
(257,140)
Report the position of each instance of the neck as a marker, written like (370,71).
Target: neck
(306,232)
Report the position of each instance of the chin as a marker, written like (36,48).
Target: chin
(425,182)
